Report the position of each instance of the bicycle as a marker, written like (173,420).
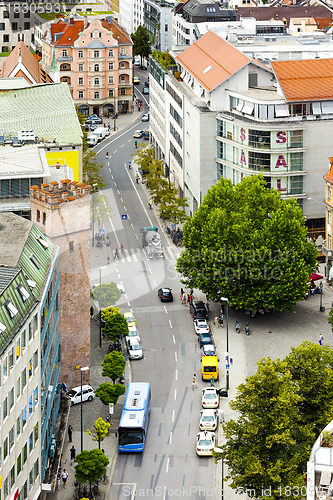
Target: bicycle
(104,479)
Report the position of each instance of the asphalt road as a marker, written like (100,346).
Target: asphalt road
(169,464)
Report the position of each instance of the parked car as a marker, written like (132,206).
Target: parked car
(137,61)
(198,310)
(137,134)
(208,420)
(146,84)
(208,350)
(165,294)
(145,117)
(204,338)
(130,319)
(101,133)
(93,126)
(134,349)
(92,140)
(145,90)
(88,394)
(95,119)
(132,334)
(205,443)
(136,80)
(201,326)
(92,116)
(210,398)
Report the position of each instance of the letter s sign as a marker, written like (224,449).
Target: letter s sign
(281,137)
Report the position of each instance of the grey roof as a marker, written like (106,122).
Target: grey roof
(25,162)
(7,274)
(48,110)
(14,232)
(96,44)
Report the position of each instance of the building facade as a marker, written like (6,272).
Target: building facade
(327,248)
(158,21)
(29,360)
(95,60)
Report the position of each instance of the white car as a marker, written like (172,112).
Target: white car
(134,349)
(205,443)
(121,288)
(132,334)
(88,394)
(208,350)
(145,118)
(208,420)
(210,398)
(201,326)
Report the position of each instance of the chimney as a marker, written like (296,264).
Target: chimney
(57,165)
(64,196)
(54,186)
(85,22)
(71,20)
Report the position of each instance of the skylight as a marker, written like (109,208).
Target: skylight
(43,242)
(23,292)
(11,308)
(35,261)
(31,283)
(2,327)
(207,69)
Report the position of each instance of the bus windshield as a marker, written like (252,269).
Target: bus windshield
(130,436)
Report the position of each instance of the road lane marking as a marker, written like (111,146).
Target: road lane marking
(165,309)
(124,207)
(122,145)
(136,234)
(115,151)
(121,199)
(110,170)
(170,323)
(129,140)
(173,338)
(118,192)
(115,183)
(175,395)
(170,438)
(167,465)
(176,375)
(129,304)
(176,356)
(155,284)
(173,416)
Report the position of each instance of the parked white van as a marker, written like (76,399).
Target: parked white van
(88,394)
(101,133)
(92,140)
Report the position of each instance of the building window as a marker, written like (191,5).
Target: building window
(80,66)
(329,193)
(110,80)
(80,55)
(30,367)
(122,65)
(96,81)
(5,367)
(5,448)
(5,409)
(96,54)
(259,139)
(6,487)
(110,66)
(5,38)
(80,81)
(6,14)
(96,95)
(329,216)
(122,51)
(19,464)
(11,309)
(24,378)
(64,52)
(111,53)
(44,218)
(96,67)
(11,398)
(36,432)
(25,453)
(27,26)
(71,246)
(122,91)
(18,386)
(18,425)
(23,293)
(11,357)
(36,467)
(24,339)
(35,359)
(123,78)
(31,442)
(11,437)
(110,92)
(80,94)
(31,479)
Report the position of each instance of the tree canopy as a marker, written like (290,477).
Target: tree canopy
(247,244)
(101,429)
(91,169)
(109,293)
(109,393)
(141,41)
(115,327)
(90,466)
(113,365)
(279,408)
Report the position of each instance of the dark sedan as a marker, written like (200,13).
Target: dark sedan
(204,339)
(165,294)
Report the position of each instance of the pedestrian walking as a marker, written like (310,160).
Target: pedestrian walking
(212,382)
(184,298)
(220,320)
(116,254)
(59,479)
(194,382)
(107,155)
(190,299)
(137,178)
(191,291)
(216,321)
(70,433)
(136,143)
(73,454)
(91,312)
(220,415)
(321,338)
(181,294)
(64,476)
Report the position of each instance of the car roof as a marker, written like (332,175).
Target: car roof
(208,410)
(209,346)
(128,314)
(77,389)
(133,340)
(132,329)
(166,289)
(209,389)
(205,434)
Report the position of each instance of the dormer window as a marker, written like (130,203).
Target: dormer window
(2,327)
(32,284)
(23,293)
(43,242)
(35,261)
(11,309)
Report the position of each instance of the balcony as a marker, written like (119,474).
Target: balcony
(124,56)
(64,58)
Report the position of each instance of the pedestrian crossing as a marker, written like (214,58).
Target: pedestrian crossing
(139,254)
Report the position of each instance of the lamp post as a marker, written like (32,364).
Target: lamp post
(100,305)
(218,450)
(224,299)
(82,369)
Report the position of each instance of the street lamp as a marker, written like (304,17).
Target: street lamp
(100,305)
(218,450)
(82,369)
(224,299)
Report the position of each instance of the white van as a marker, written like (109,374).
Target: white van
(101,133)
(91,140)
(88,394)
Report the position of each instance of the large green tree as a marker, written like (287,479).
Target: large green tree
(141,41)
(108,293)
(115,327)
(91,168)
(113,365)
(109,393)
(268,446)
(101,429)
(247,244)
(90,466)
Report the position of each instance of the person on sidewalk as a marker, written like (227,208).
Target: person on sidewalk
(91,312)
(116,254)
(321,338)
(194,382)
(70,433)
(59,479)
(220,320)
(73,454)
(64,476)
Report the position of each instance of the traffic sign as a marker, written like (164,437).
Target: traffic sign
(111,408)
(102,231)
(124,216)
(173,226)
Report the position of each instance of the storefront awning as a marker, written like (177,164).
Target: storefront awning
(315,277)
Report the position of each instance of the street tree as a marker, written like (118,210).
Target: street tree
(113,365)
(141,41)
(91,169)
(101,429)
(247,244)
(109,311)
(109,393)
(90,466)
(281,410)
(115,327)
(108,293)
(101,210)
(330,318)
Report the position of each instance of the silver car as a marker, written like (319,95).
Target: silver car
(134,349)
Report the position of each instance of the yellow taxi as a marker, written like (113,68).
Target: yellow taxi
(129,318)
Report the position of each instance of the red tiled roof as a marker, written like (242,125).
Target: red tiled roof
(283,11)
(212,60)
(70,33)
(29,62)
(308,80)
(124,38)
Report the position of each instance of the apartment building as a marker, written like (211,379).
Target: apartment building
(327,247)
(158,21)
(231,116)
(29,355)
(95,60)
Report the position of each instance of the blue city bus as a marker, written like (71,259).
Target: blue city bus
(134,419)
